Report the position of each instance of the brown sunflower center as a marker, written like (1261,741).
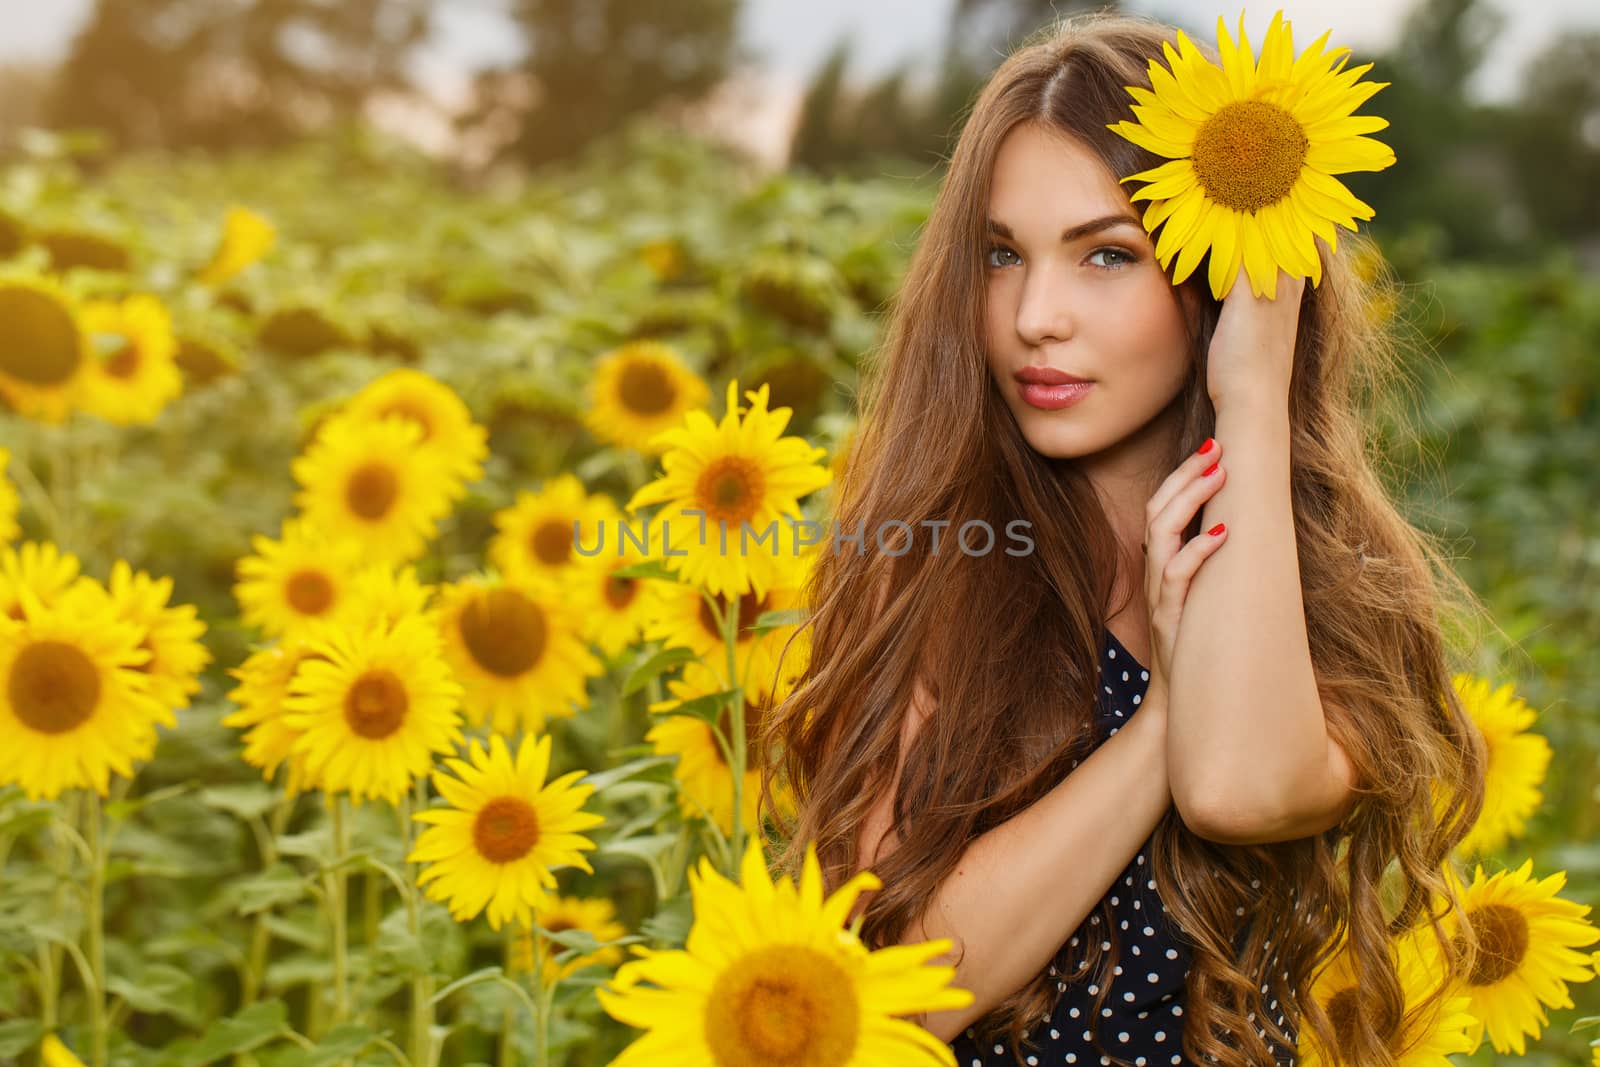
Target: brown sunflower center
(729,490)
(39,341)
(124,362)
(1249,154)
(372,490)
(506,829)
(504,631)
(750,609)
(621,591)
(54,687)
(551,542)
(783,1006)
(376,705)
(309,592)
(645,388)
(753,716)
(1502,942)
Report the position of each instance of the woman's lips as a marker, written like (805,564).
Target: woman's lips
(1054,397)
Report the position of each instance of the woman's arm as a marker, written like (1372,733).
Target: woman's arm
(1020,890)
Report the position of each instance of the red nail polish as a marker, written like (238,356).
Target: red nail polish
(1217,529)
(1209,469)
(1203,449)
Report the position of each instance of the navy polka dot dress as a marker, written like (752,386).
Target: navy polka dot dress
(1141,1022)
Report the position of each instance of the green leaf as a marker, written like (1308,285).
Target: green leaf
(708,709)
(313,844)
(342,1042)
(255,1026)
(245,800)
(648,848)
(650,568)
(159,989)
(773,620)
(278,884)
(299,969)
(601,780)
(670,924)
(126,809)
(19,1035)
(657,664)
(483,975)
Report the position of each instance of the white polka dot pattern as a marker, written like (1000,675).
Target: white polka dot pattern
(1141,1022)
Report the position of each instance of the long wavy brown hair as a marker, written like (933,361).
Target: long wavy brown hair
(1382,607)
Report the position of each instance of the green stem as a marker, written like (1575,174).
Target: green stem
(730,637)
(541,1020)
(96,929)
(508,1018)
(261,934)
(336,882)
(421,983)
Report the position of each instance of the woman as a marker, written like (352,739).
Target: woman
(1141,775)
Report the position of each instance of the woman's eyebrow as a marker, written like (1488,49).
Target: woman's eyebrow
(1072,233)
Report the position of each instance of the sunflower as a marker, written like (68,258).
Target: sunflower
(1528,941)
(596,915)
(1516,766)
(381,595)
(372,482)
(618,609)
(705,777)
(246,238)
(305,574)
(137,373)
(170,634)
(505,830)
(9,529)
(447,427)
(264,679)
(741,471)
(374,709)
(44,351)
(685,619)
(641,389)
(57,1054)
(770,975)
(74,705)
(517,646)
(1252,148)
(542,532)
(1421,1041)
(39,567)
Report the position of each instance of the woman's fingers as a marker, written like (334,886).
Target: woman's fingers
(1175,504)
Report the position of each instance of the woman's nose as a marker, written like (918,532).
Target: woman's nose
(1045,311)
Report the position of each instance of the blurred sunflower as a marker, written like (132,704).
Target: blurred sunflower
(264,679)
(374,709)
(39,567)
(597,915)
(1253,147)
(536,532)
(617,609)
(1528,941)
(246,238)
(741,471)
(136,374)
(770,975)
(505,830)
(371,482)
(1516,765)
(517,646)
(171,634)
(44,351)
(57,1054)
(1420,1041)
(9,504)
(641,389)
(73,704)
(381,595)
(305,574)
(447,427)
(685,619)
(705,777)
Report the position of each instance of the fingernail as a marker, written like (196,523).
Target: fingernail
(1217,529)
(1209,469)
(1203,449)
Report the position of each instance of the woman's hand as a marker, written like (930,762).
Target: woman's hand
(1252,349)
(1169,563)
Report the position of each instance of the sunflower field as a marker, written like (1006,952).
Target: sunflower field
(326,737)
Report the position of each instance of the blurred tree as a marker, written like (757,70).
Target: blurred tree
(1554,138)
(845,129)
(22,92)
(231,73)
(593,64)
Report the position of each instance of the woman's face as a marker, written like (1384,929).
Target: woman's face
(1074,286)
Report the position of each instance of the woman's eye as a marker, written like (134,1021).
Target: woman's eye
(1001,249)
(1123,257)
